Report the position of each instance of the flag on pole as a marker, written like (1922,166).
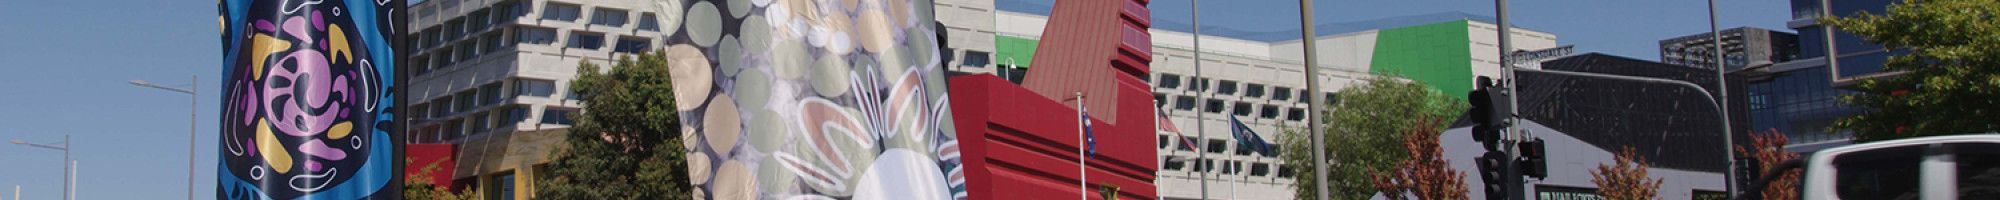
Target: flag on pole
(1089,139)
(1248,138)
(1167,125)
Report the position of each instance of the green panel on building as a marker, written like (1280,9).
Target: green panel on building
(1436,55)
(1015,51)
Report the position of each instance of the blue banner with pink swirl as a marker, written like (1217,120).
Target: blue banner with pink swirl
(309,99)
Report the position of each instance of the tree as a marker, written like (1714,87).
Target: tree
(625,144)
(1951,70)
(1769,150)
(1627,180)
(1363,134)
(1427,174)
(418,186)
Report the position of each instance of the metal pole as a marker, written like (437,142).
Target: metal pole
(1201,99)
(194,114)
(1722,101)
(72,180)
(1082,162)
(1514,188)
(68,167)
(1312,104)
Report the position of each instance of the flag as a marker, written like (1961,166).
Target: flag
(1246,137)
(1089,139)
(1167,125)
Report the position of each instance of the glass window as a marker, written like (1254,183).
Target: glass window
(466,51)
(1228,87)
(533,87)
(608,17)
(1283,93)
(467,100)
(1184,103)
(1243,108)
(1269,111)
(1332,99)
(976,59)
(455,127)
(1878,174)
(1978,170)
(491,93)
(477,20)
(535,35)
(1169,81)
(516,114)
(1214,106)
(1163,142)
(1287,172)
(1255,90)
(492,42)
(505,183)
(585,40)
(1175,165)
(648,22)
(420,110)
(1159,100)
(558,116)
(1186,147)
(633,44)
(561,11)
(1217,146)
(422,64)
(1261,169)
(478,123)
(441,107)
(1244,150)
(1295,114)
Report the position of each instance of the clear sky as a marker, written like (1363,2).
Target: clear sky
(66,64)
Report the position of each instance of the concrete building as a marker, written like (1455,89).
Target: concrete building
(1801,97)
(1256,77)
(1741,46)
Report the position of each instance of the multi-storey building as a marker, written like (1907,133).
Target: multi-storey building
(1256,77)
(1742,46)
(1801,97)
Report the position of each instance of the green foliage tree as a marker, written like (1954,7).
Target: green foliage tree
(1363,134)
(418,186)
(626,143)
(1951,80)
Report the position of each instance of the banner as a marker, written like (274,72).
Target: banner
(812,99)
(309,99)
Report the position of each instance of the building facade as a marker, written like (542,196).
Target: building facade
(1742,46)
(1256,77)
(1801,97)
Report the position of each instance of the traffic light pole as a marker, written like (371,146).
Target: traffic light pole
(1512,169)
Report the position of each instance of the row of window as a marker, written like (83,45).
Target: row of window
(1238,108)
(1232,87)
(1230,167)
(496,41)
(1215,146)
(612,17)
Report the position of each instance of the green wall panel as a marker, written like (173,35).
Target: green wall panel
(1436,55)
(1022,50)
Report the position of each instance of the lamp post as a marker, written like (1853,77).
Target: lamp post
(66,162)
(194,96)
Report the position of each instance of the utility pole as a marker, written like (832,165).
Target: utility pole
(194,104)
(1722,101)
(67,165)
(1312,104)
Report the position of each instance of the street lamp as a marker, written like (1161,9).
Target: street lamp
(194,96)
(66,162)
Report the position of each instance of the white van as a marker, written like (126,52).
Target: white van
(1929,168)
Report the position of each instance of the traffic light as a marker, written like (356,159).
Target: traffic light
(1534,159)
(1491,170)
(1489,113)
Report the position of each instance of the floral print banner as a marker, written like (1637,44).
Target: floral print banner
(307,99)
(812,99)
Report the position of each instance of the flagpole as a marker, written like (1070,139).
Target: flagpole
(1200,96)
(1082,162)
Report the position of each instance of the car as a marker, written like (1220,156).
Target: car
(1937,167)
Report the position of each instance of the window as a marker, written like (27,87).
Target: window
(1175,165)
(1281,93)
(1260,169)
(1254,90)
(535,35)
(1163,142)
(558,116)
(479,124)
(516,114)
(1243,108)
(1159,100)
(632,44)
(434,36)
(492,42)
(532,87)
(1243,150)
(1268,112)
(505,183)
(420,111)
(1283,172)
(416,40)
(1185,147)
(445,58)
(1217,146)
(1295,114)
(648,22)
(454,128)
(441,107)
(1184,103)
(586,40)
(1228,87)
(506,12)
(1303,95)
(1332,99)
(491,94)
(477,20)
(466,51)
(1198,85)
(561,11)
(422,64)
(453,30)
(1214,106)
(975,59)
(467,100)
(608,17)
(1169,81)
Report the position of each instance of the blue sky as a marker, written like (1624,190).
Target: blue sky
(67,63)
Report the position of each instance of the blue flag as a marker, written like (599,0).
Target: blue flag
(1089,139)
(1248,138)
